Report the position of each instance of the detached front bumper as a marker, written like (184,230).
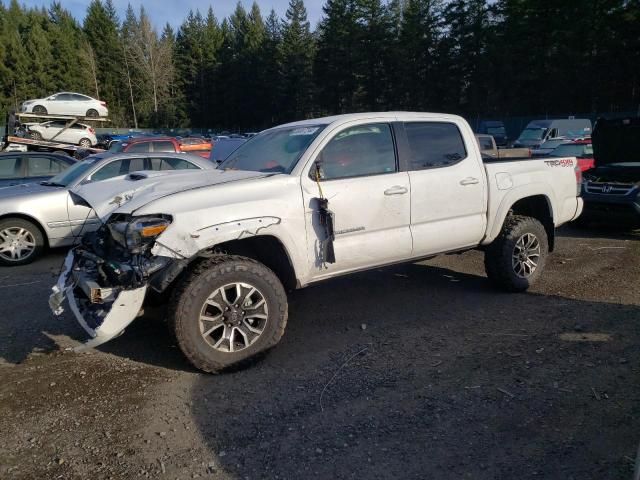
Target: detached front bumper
(103,312)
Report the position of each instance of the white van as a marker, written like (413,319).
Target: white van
(540,131)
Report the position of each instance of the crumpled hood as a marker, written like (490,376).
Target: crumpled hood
(25,189)
(139,189)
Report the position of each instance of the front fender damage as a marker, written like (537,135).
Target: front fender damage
(101,319)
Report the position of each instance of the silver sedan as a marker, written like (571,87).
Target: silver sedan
(35,216)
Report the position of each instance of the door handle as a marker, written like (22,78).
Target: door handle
(396,190)
(469,181)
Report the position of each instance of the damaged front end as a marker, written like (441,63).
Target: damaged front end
(106,278)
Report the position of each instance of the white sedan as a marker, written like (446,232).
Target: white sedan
(78,133)
(66,103)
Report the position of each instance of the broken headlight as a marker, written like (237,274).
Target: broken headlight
(138,233)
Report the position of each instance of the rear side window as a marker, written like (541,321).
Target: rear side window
(434,144)
(485,143)
(163,147)
(142,147)
(136,164)
(43,166)
(171,164)
(10,167)
(358,151)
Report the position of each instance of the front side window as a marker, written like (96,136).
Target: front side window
(358,151)
(434,144)
(274,151)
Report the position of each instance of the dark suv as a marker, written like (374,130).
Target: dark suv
(611,190)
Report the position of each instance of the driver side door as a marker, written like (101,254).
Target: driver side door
(368,195)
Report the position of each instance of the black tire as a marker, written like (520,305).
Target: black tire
(39,110)
(499,256)
(92,113)
(35,135)
(12,224)
(198,285)
(85,143)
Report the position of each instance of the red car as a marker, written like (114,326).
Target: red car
(159,144)
(581,149)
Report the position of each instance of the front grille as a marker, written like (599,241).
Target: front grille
(608,188)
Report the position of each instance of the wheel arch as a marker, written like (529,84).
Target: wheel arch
(31,219)
(266,249)
(535,205)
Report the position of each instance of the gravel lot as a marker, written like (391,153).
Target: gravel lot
(416,371)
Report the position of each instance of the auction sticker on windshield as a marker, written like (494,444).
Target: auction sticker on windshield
(303,131)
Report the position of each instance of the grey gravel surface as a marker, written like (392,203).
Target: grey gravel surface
(415,371)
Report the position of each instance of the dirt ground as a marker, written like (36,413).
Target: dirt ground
(416,371)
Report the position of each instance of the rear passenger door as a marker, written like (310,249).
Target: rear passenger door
(448,199)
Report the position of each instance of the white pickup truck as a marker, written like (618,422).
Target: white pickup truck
(301,203)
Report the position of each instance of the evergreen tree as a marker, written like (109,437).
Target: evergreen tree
(296,62)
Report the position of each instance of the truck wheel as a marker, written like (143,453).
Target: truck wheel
(515,259)
(227,310)
(39,110)
(36,135)
(21,242)
(92,113)
(85,143)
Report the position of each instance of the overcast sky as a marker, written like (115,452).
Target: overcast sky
(174,12)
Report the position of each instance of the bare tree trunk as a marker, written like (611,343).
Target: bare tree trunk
(133,105)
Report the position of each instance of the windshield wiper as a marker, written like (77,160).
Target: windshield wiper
(52,184)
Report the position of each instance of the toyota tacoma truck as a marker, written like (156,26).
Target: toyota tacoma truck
(298,204)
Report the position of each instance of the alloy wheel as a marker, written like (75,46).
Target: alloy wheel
(233,317)
(16,244)
(526,255)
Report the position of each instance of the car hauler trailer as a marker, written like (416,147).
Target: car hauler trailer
(14,142)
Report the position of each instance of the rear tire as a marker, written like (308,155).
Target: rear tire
(240,302)
(21,242)
(35,135)
(516,259)
(92,113)
(85,143)
(39,110)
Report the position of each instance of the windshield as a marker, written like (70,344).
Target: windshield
(496,131)
(275,151)
(532,134)
(71,174)
(117,147)
(573,150)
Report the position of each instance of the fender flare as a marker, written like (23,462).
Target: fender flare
(514,195)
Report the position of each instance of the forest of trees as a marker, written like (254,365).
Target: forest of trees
(473,57)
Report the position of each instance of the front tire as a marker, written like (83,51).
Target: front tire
(39,110)
(35,135)
(227,310)
(21,242)
(516,259)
